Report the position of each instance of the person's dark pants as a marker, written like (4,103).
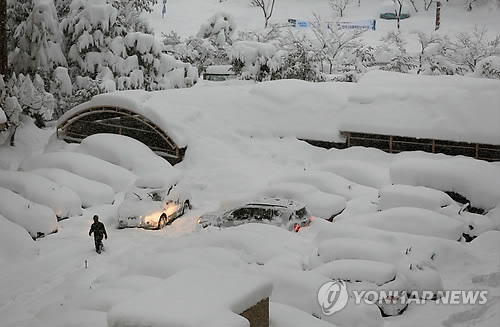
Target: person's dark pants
(98,242)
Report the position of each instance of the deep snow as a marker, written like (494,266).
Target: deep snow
(236,152)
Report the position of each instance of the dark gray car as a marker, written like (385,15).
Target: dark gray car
(289,214)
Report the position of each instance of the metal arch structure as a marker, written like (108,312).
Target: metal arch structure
(121,121)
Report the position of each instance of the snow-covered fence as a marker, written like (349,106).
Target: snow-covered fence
(396,144)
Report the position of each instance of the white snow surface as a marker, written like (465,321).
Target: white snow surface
(219,297)
(233,132)
(405,105)
(15,243)
(61,199)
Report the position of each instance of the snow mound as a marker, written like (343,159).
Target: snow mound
(37,219)
(411,220)
(331,183)
(13,236)
(61,199)
(171,303)
(350,248)
(391,103)
(442,251)
(84,165)
(413,196)
(299,289)
(151,170)
(319,203)
(358,171)
(358,270)
(475,179)
(90,192)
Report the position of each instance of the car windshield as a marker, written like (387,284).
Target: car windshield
(256,213)
(302,213)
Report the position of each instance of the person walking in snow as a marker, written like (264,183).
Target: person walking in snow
(99,231)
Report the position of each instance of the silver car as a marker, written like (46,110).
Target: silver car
(153,208)
(289,214)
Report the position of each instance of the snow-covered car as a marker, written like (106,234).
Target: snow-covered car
(289,214)
(153,208)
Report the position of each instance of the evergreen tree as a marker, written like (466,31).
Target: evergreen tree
(38,41)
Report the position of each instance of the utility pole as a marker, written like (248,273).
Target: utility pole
(438,15)
(3,38)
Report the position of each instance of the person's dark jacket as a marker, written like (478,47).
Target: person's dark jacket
(98,229)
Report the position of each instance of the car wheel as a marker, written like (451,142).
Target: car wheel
(185,207)
(161,223)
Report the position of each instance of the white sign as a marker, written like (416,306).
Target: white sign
(368,24)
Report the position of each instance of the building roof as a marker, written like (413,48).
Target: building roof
(455,108)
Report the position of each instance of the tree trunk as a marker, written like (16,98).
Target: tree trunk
(3,37)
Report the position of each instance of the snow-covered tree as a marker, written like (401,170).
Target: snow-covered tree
(219,29)
(401,61)
(426,41)
(269,34)
(267,7)
(38,41)
(469,48)
(339,6)
(129,14)
(301,60)
(488,67)
(333,42)
(255,60)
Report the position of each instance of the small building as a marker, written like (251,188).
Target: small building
(219,73)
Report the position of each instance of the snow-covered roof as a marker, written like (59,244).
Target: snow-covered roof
(278,108)
(455,108)
(440,107)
